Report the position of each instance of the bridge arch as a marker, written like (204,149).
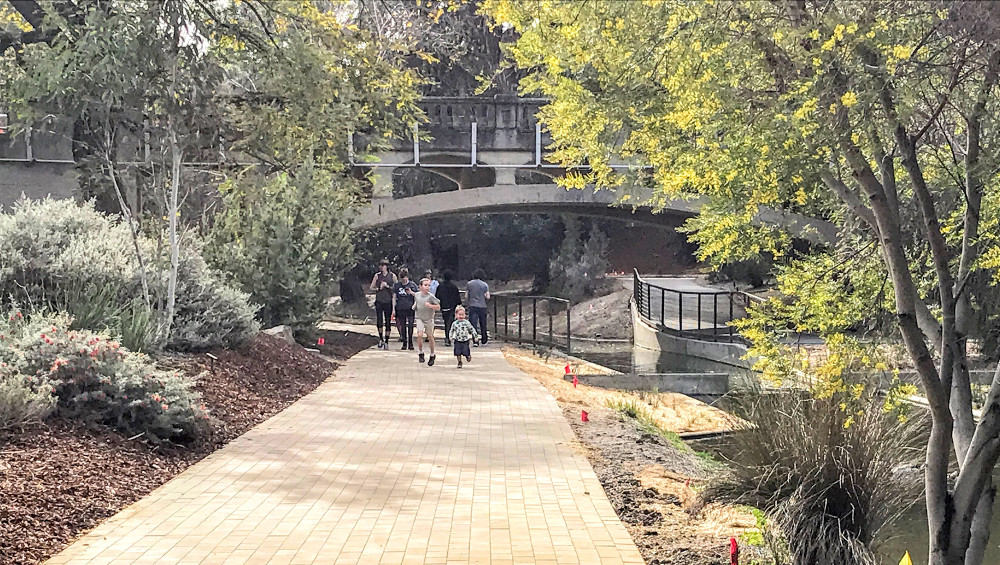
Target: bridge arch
(517,198)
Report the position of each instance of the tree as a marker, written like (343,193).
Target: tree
(880,117)
(174,98)
(578,267)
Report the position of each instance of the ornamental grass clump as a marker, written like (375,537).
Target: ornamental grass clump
(832,473)
(94,379)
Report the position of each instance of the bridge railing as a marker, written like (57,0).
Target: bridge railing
(702,315)
(538,320)
(490,113)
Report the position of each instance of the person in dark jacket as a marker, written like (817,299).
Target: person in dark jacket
(450,299)
(403,293)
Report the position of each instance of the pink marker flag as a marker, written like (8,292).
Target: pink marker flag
(321,341)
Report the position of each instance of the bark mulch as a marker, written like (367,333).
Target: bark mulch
(61,479)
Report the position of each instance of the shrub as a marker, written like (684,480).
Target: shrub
(21,403)
(826,471)
(60,256)
(208,312)
(285,240)
(95,379)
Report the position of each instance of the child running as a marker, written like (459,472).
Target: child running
(461,333)
(425,304)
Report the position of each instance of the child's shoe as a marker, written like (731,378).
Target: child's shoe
(420,357)
(430,360)
(459,363)
(468,358)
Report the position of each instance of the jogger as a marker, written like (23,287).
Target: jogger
(461,332)
(382,284)
(450,299)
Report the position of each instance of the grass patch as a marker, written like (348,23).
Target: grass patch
(638,410)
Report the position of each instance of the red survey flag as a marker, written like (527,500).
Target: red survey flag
(734,552)
(566,368)
(583,416)
(321,341)
(575,381)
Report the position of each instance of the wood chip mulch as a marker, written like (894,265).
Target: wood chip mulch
(61,479)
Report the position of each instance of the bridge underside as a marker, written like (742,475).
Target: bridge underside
(533,198)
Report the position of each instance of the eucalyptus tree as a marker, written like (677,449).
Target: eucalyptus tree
(171,99)
(879,116)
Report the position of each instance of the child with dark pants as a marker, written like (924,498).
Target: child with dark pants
(461,334)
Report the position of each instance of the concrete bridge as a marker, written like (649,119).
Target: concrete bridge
(492,152)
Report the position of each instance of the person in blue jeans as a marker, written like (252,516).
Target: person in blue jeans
(479,293)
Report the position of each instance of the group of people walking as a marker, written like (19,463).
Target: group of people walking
(415,306)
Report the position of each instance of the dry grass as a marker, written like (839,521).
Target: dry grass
(674,412)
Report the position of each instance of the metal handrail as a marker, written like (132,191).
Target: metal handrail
(535,335)
(644,292)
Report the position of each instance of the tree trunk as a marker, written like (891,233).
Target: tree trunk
(175,182)
(981,527)
(172,213)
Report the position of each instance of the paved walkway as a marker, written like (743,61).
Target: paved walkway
(388,462)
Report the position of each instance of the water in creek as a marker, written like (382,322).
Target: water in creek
(910,534)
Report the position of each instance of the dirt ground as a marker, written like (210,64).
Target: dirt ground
(605,316)
(651,483)
(61,479)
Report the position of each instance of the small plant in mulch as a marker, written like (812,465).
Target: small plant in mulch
(94,379)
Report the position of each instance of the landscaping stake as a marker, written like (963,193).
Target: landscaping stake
(583,416)
(734,552)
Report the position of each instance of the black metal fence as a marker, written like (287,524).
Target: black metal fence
(538,320)
(704,315)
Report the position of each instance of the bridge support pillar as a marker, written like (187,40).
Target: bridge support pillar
(382,183)
(506,161)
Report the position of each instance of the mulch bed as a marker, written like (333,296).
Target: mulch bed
(61,479)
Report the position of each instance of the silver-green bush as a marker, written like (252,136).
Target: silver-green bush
(61,256)
(21,403)
(94,379)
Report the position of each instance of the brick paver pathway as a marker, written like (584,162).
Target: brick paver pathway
(388,462)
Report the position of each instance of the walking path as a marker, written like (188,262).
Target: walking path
(390,461)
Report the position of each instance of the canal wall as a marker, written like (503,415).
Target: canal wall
(650,339)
